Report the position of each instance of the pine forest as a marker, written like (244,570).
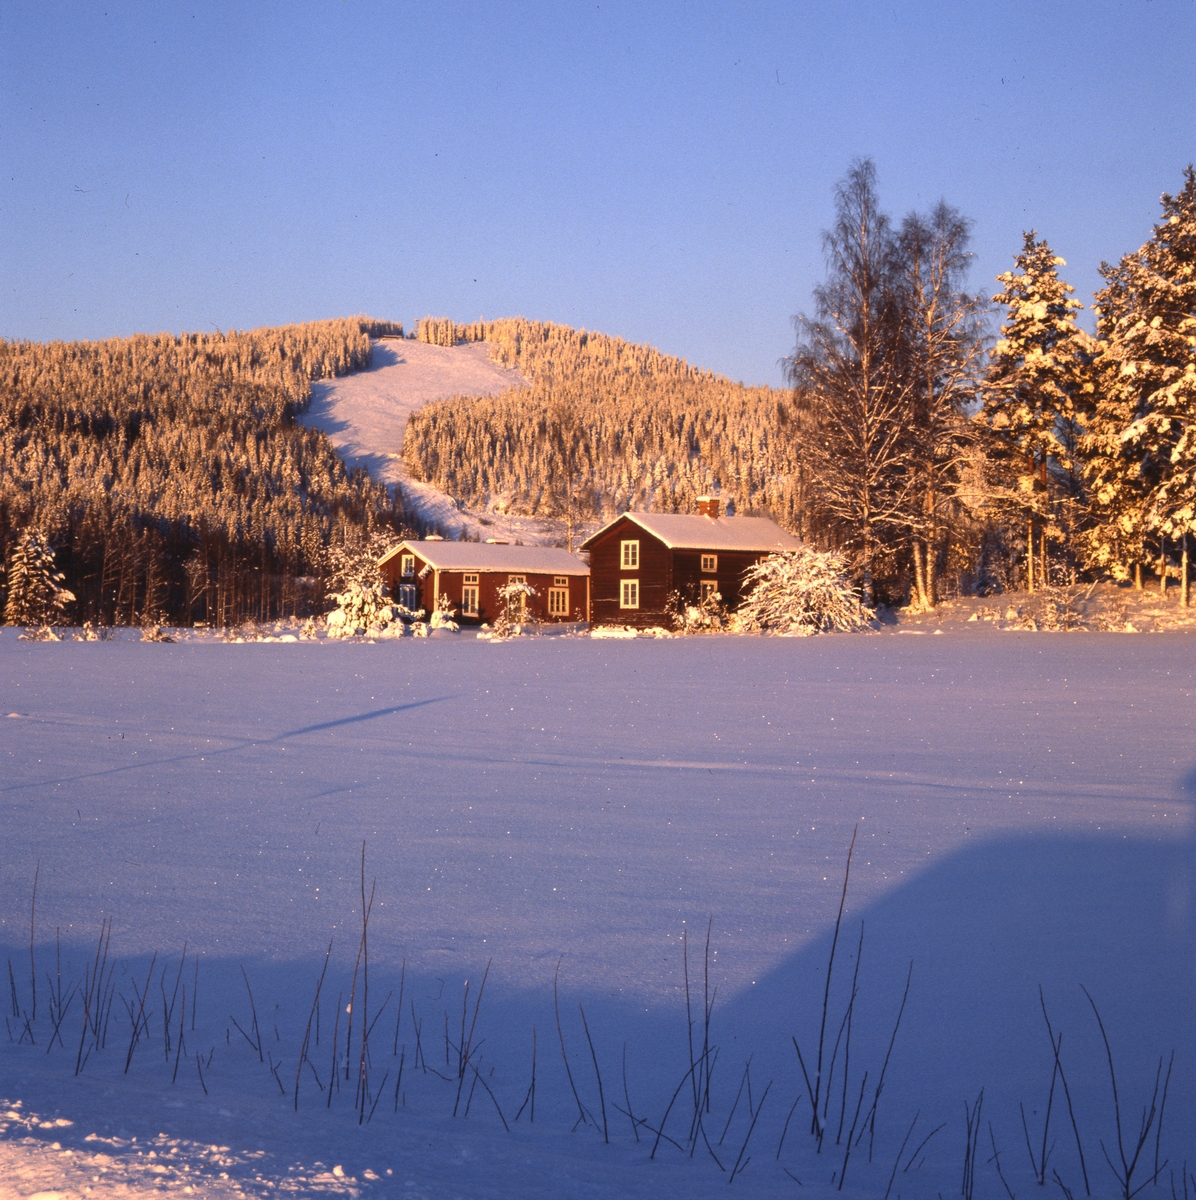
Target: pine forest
(170,476)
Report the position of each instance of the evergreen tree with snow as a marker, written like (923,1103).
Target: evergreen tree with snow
(1038,391)
(35,592)
(1142,442)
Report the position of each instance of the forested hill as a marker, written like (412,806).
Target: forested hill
(606,425)
(170,475)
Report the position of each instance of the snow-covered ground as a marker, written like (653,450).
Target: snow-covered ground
(1024,806)
(365,417)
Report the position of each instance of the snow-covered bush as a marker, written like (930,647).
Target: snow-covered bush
(801,592)
(442,617)
(512,613)
(35,593)
(707,616)
(364,610)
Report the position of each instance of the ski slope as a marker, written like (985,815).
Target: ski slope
(1023,814)
(365,417)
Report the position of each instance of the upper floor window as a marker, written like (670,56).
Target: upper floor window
(469,578)
(630,558)
(560,581)
(709,564)
(407,565)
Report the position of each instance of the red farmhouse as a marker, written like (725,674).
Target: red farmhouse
(642,563)
(469,574)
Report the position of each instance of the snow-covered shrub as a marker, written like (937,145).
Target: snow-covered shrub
(42,633)
(512,613)
(442,617)
(364,610)
(801,592)
(708,616)
(35,592)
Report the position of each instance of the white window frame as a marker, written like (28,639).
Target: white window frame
(629,593)
(708,588)
(470,593)
(558,602)
(709,564)
(629,556)
(407,596)
(560,581)
(407,565)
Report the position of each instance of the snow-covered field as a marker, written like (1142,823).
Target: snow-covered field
(1024,805)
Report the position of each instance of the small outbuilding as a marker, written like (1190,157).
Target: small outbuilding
(643,564)
(469,574)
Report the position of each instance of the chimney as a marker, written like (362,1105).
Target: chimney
(708,506)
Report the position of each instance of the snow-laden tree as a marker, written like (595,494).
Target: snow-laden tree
(1037,393)
(802,591)
(512,611)
(1142,442)
(365,611)
(35,592)
(942,326)
(352,558)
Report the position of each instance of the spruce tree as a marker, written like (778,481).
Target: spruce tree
(1037,392)
(35,592)
(1142,444)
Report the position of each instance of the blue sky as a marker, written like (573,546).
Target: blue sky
(660,172)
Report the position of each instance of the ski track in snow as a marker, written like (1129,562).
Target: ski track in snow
(1024,805)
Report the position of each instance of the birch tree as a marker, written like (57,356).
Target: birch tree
(943,336)
(848,378)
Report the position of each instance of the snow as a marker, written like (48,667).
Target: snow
(681,531)
(1024,806)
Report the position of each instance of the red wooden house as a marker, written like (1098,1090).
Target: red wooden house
(469,575)
(641,564)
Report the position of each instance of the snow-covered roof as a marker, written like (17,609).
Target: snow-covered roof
(681,531)
(484,556)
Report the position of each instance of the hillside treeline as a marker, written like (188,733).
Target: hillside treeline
(170,476)
(605,425)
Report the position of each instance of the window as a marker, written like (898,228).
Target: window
(709,588)
(407,565)
(629,592)
(517,579)
(407,595)
(558,602)
(630,558)
(709,564)
(469,595)
(560,581)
